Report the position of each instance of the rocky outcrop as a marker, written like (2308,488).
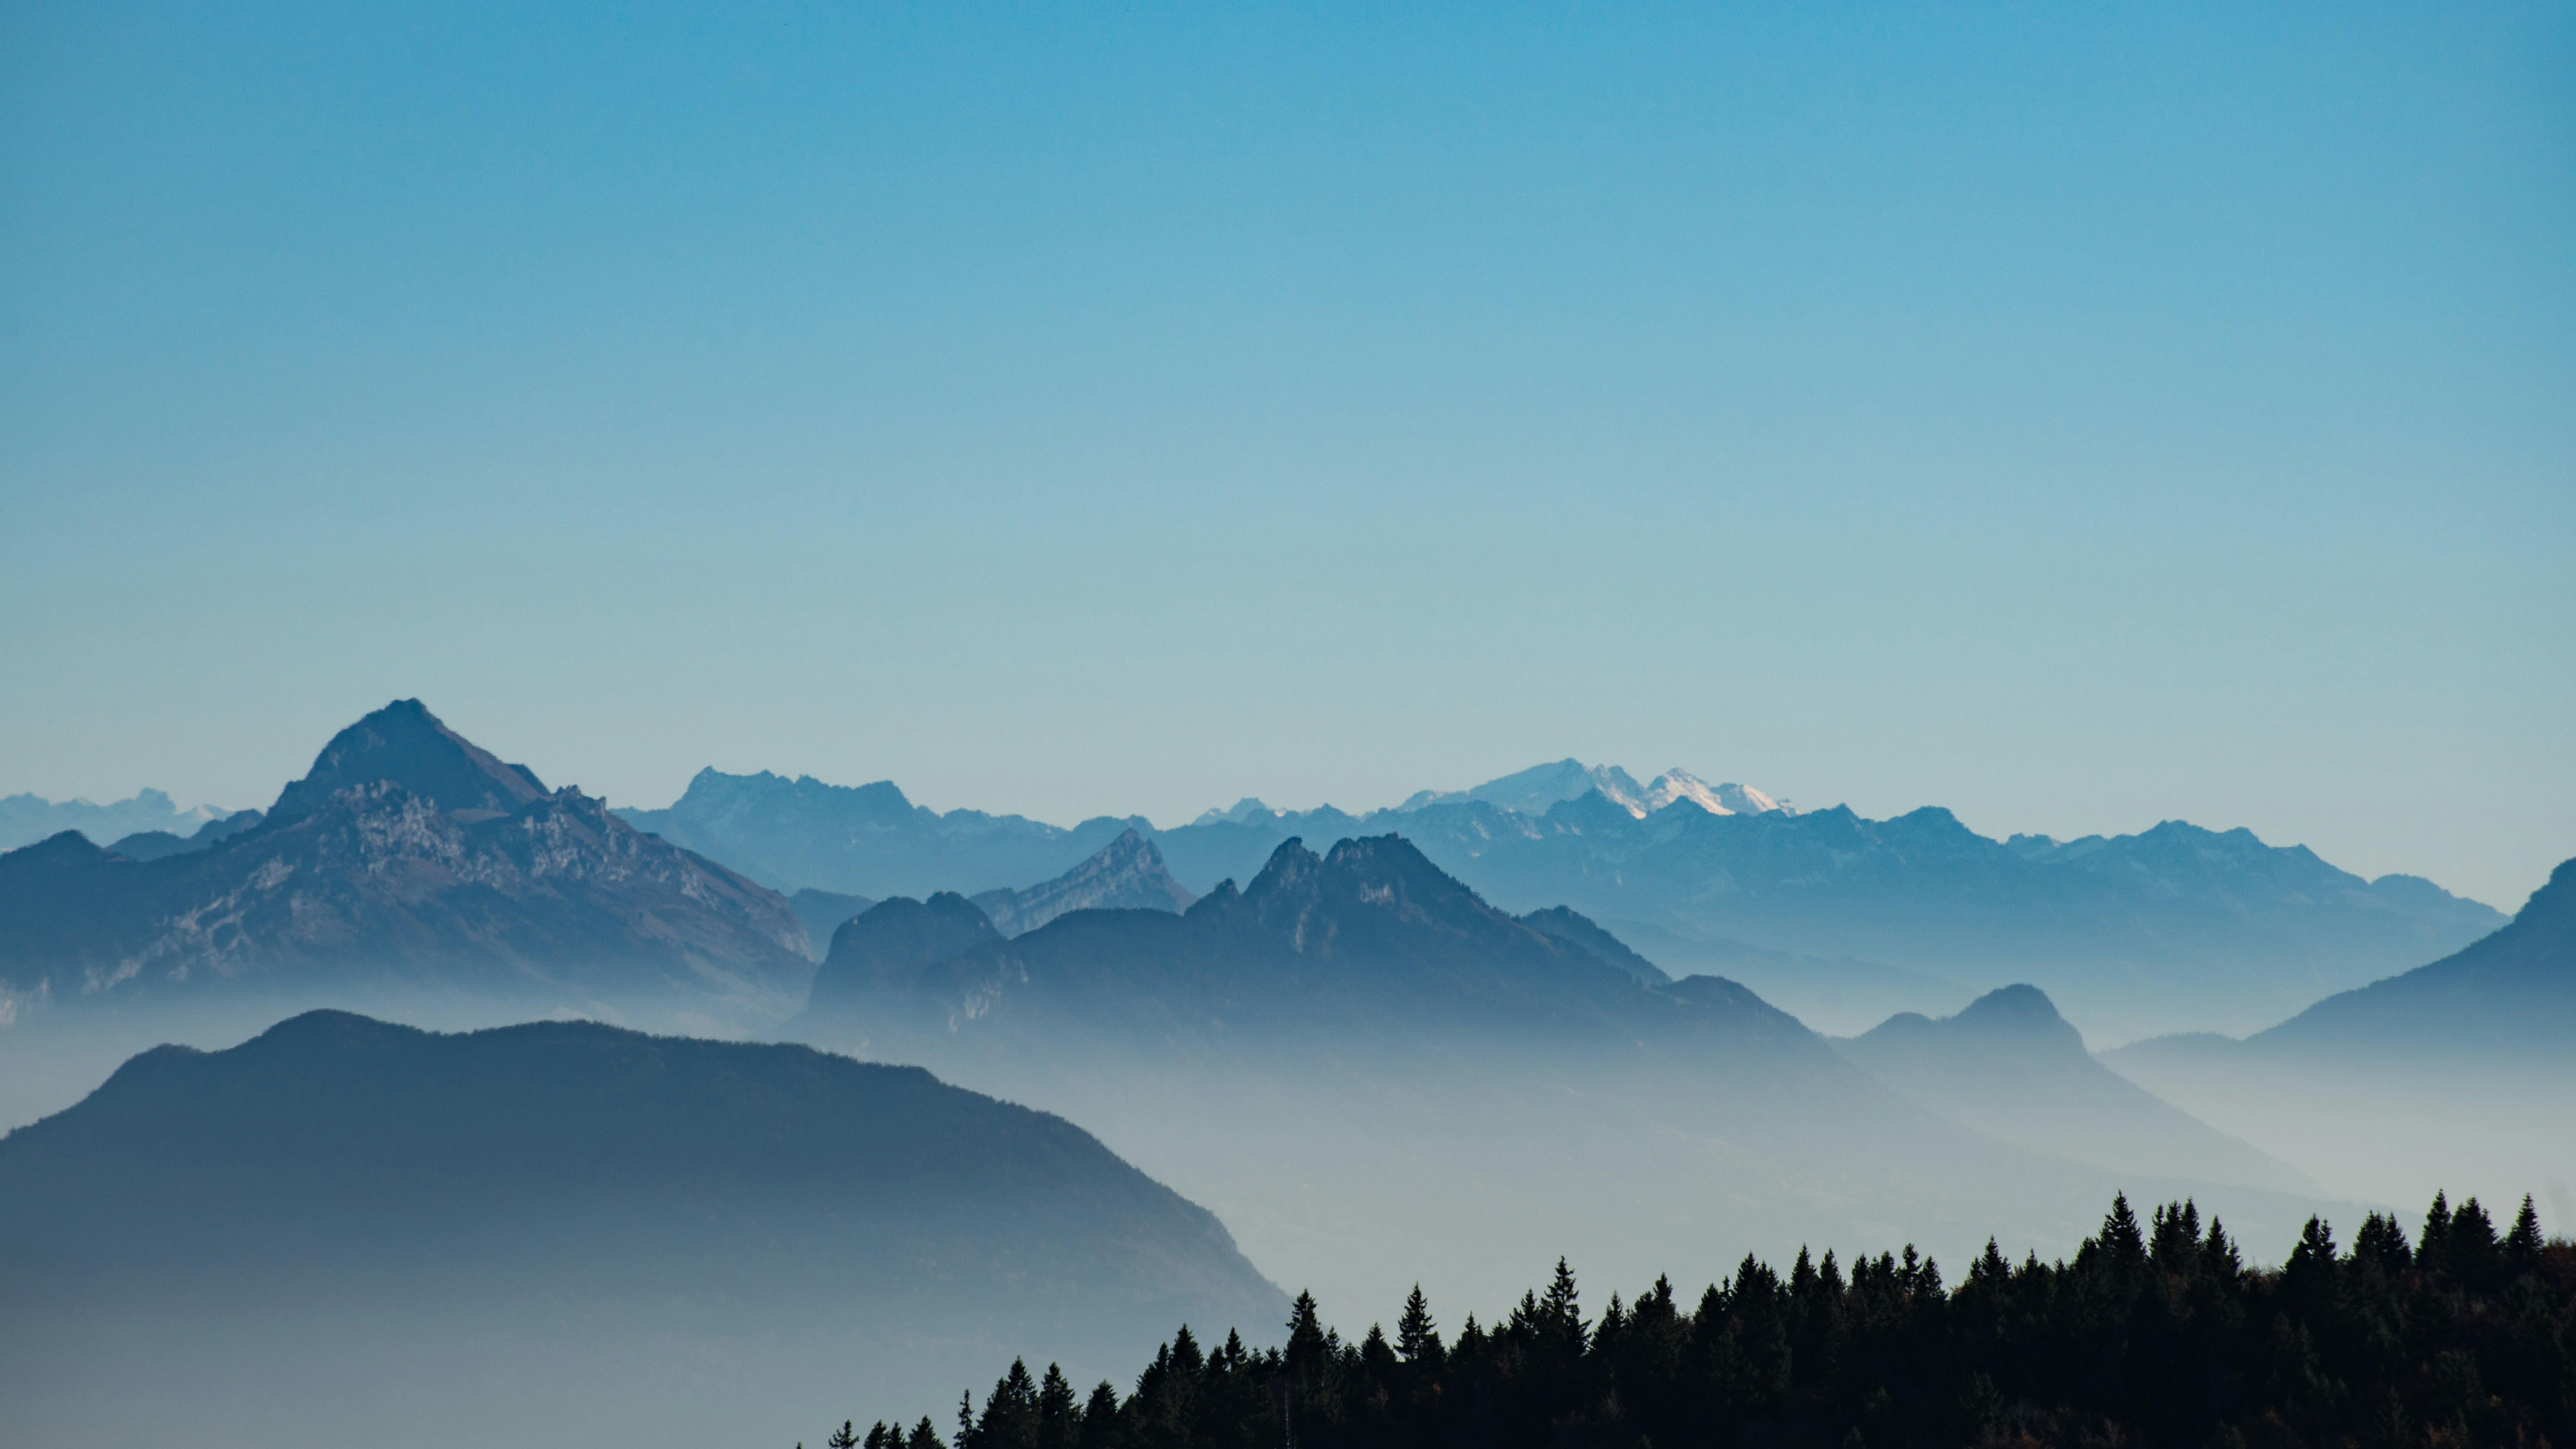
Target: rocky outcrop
(377,882)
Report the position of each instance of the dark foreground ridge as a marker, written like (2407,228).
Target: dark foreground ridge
(2153,1336)
(335,1158)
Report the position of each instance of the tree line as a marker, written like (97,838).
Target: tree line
(2153,1335)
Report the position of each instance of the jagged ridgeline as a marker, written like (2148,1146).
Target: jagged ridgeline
(1835,917)
(2152,1334)
(408,859)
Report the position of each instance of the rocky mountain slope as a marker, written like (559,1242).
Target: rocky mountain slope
(1127,874)
(408,857)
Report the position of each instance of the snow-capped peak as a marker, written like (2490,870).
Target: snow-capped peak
(1726,799)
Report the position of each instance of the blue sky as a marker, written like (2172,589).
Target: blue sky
(2076,416)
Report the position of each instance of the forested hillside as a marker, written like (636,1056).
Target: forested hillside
(2154,1334)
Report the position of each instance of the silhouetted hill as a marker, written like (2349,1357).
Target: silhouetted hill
(1127,874)
(355,1220)
(887,947)
(335,1153)
(2510,996)
(369,882)
(2011,1066)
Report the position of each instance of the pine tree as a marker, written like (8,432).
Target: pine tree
(2472,1254)
(1377,1355)
(1100,1426)
(2175,1241)
(2432,1248)
(2121,1242)
(1990,1270)
(2524,1243)
(1306,1346)
(2218,1258)
(1560,1313)
(2382,1245)
(1417,1337)
(1059,1417)
(842,1438)
(924,1436)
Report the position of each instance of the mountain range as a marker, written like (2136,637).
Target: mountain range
(644,1200)
(1353,1056)
(26,819)
(1842,918)
(406,858)
(1536,790)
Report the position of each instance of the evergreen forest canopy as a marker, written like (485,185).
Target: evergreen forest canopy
(2153,1335)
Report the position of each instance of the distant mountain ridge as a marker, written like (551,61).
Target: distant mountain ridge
(1408,1048)
(1536,790)
(2511,994)
(394,863)
(2174,926)
(2505,1000)
(26,819)
(864,840)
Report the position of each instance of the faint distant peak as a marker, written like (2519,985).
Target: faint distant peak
(1242,812)
(1536,790)
(2011,1017)
(1677,784)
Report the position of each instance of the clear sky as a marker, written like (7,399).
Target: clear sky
(2078,416)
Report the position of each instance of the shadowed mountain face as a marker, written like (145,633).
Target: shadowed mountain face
(2010,1066)
(1567,925)
(2457,1074)
(2509,997)
(665,1195)
(2174,927)
(886,947)
(374,882)
(1127,874)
